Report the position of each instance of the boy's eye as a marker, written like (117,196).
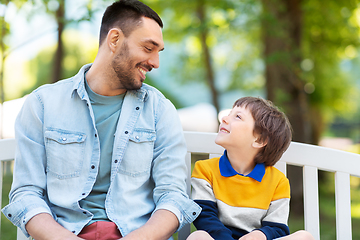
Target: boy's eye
(238,116)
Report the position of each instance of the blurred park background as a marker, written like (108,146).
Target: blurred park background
(304,55)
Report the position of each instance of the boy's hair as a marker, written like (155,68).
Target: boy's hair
(126,15)
(272,126)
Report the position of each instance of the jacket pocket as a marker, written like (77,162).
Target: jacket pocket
(64,152)
(139,153)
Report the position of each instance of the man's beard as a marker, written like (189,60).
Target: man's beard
(125,69)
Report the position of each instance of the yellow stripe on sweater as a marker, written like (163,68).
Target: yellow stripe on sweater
(241,191)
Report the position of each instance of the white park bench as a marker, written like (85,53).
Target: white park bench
(311,158)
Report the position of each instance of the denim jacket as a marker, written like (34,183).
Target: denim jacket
(58,154)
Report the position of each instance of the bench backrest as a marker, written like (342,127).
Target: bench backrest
(311,158)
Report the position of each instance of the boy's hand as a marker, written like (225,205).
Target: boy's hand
(254,235)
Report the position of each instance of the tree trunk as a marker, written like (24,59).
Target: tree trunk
(59,55)
(282,26)
(207,57)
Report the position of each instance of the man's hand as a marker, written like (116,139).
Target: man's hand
(254,235)
(160,226)
(44,227)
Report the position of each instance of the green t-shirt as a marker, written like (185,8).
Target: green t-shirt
(106,111)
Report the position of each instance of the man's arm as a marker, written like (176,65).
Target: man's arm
(161,225)
(43,227)
(169,171)
(26,198)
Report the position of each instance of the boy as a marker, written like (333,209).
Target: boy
(241,194)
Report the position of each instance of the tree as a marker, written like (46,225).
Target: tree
(57,8)
(207,32)
(301,50)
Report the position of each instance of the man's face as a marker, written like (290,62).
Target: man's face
(138,54)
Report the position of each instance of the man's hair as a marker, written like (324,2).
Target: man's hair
(271,125)
(126,15)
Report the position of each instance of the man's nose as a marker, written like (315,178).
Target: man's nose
(154,60)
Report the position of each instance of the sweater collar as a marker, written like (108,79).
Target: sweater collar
(227,170)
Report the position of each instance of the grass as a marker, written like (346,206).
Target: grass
(8,230)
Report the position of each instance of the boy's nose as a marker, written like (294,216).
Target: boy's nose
(224,119)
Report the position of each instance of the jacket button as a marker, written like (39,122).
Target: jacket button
(116,161)
(95,135)
(137,108)
(194,213)
(9,215)
(126,132)
(92,166)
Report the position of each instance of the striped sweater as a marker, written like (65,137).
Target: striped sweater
(234,205)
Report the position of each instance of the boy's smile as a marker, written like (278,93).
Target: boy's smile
(224,130)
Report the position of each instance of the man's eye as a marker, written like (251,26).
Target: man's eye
(148,49)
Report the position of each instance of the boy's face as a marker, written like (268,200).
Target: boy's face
(237,130)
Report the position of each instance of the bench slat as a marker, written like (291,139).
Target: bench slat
(343,206)
(311,201)
(7,149)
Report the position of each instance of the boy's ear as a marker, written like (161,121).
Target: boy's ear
(259,144)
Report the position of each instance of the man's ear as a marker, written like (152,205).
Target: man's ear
(114,38)
(259,144)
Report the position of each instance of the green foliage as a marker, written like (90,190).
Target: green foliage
(8,230)
(231,28)
(330,36)
(80,49)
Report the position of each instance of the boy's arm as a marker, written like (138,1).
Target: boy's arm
(274,224)
(203,194)
(209,221)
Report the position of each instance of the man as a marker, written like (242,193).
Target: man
(101,153)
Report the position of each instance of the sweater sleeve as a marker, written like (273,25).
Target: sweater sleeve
(208,221)
(274,224)
(203,195)
(274,230)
